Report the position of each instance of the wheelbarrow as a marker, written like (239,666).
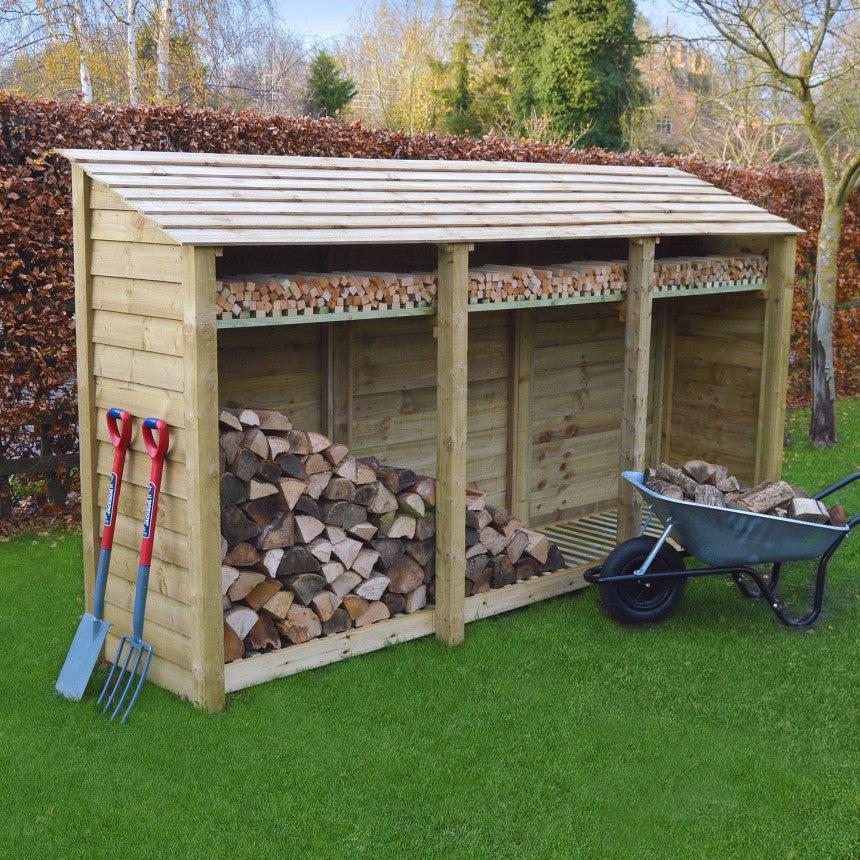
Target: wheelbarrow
(643,580)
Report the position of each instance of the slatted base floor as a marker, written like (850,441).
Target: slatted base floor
(588,539)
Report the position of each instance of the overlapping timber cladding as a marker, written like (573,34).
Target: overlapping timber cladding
(529,329)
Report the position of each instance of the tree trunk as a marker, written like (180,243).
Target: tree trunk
(131,46)
(165,19)
(822,430)
(86,78)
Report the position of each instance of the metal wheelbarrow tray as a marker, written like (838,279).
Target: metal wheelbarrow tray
(643,579)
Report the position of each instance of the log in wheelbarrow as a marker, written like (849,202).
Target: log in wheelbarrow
(643,579)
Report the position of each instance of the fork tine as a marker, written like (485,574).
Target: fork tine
(116,686)
(138,650)
(139,687)
(113,669)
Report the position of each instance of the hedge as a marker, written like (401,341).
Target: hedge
(37,344)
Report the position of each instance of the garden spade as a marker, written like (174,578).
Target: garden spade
(133,655)
(90,636)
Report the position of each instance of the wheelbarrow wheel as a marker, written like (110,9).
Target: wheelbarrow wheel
(645,601)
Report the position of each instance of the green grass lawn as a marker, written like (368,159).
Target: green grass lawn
(550,732)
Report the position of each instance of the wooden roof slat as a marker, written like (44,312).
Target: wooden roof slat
(200,198)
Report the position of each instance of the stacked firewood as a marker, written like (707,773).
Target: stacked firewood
(309,293)
(316,541)
(709,484)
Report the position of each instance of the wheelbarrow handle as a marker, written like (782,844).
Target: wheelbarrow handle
(837,486)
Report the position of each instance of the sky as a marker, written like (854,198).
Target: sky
(325,20)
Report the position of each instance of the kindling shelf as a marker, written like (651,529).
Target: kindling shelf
(527,304)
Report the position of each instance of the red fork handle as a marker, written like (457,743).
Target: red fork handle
(120,438)
(157,450)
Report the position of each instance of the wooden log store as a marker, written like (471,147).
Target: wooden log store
(527,328)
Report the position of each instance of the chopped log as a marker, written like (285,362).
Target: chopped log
(837,515)
(301,625)
(475,565)
(242,555)
(404,575)
(224,547)
(262,511)
(373,588)
(475,500)
(233,490)
(476,549)
(308,506)
(377,498)
(394,603)
(415,599)
(296,560)
(363,531)
(241,619)
(347,551)
(272,560)
(291,466)
(262,593)
(411,504)
(721,473)
(335,534)
(538,545)
(279,533)
(273,422)
(364,562)
(388,478)
(228,420)
(234,648)
(664,488)
(305,586)
(699,470)
(277,445)
(555,559)
(363,474)
(230,443)
(345,583)
(248,417)
(228,576)
(290,491)
(324,604)
(421,551)
(517,546)
(278,605)
(268,470)
(339,489)
(354,605)
(332,570)
(527,567)
(493,540)
(767,495)
(316,464)
(426,526)
(318,442)
(383,522)
(320,548)
(503,573)
(260,489)
(346,469)
(426,488)
(402,527)
(501,516)
(376,611)
(405,478)
(678,478)
(707,494)
(255,440)
(244,464)
(299,443)
(263,635)
(342,514)
(244,584)
(316,483)
(808,510)
(389,550)
(307,528)
(339,622)
(336,453)
(236,527)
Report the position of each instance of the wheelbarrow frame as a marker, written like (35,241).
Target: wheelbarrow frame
(765,583)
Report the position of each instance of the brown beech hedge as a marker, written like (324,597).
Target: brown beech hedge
(37,345)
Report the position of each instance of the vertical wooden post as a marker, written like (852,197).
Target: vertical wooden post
(200,356)
(519,407)
(87,413)
(659,380)
(662,452)
(337,381)
(452,333)
(634,407)
(774,368)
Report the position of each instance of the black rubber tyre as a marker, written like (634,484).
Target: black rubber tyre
(648,601)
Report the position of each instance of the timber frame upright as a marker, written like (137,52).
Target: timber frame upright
(149,229)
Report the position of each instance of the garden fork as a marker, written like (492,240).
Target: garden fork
(132,650)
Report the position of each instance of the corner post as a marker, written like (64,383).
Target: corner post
(87,413)
(774,368)
(519,400)
(452,333)
(634,406)
(200,357)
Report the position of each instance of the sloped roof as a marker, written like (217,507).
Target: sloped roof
(204,199)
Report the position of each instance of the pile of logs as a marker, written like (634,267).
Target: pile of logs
(709,484)
(310,293)
(315,541)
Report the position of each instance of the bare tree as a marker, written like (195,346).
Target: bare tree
(131,48)
(808,50)
(165,24)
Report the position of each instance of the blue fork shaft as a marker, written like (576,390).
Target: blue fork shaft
(101,584)
(140,601)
